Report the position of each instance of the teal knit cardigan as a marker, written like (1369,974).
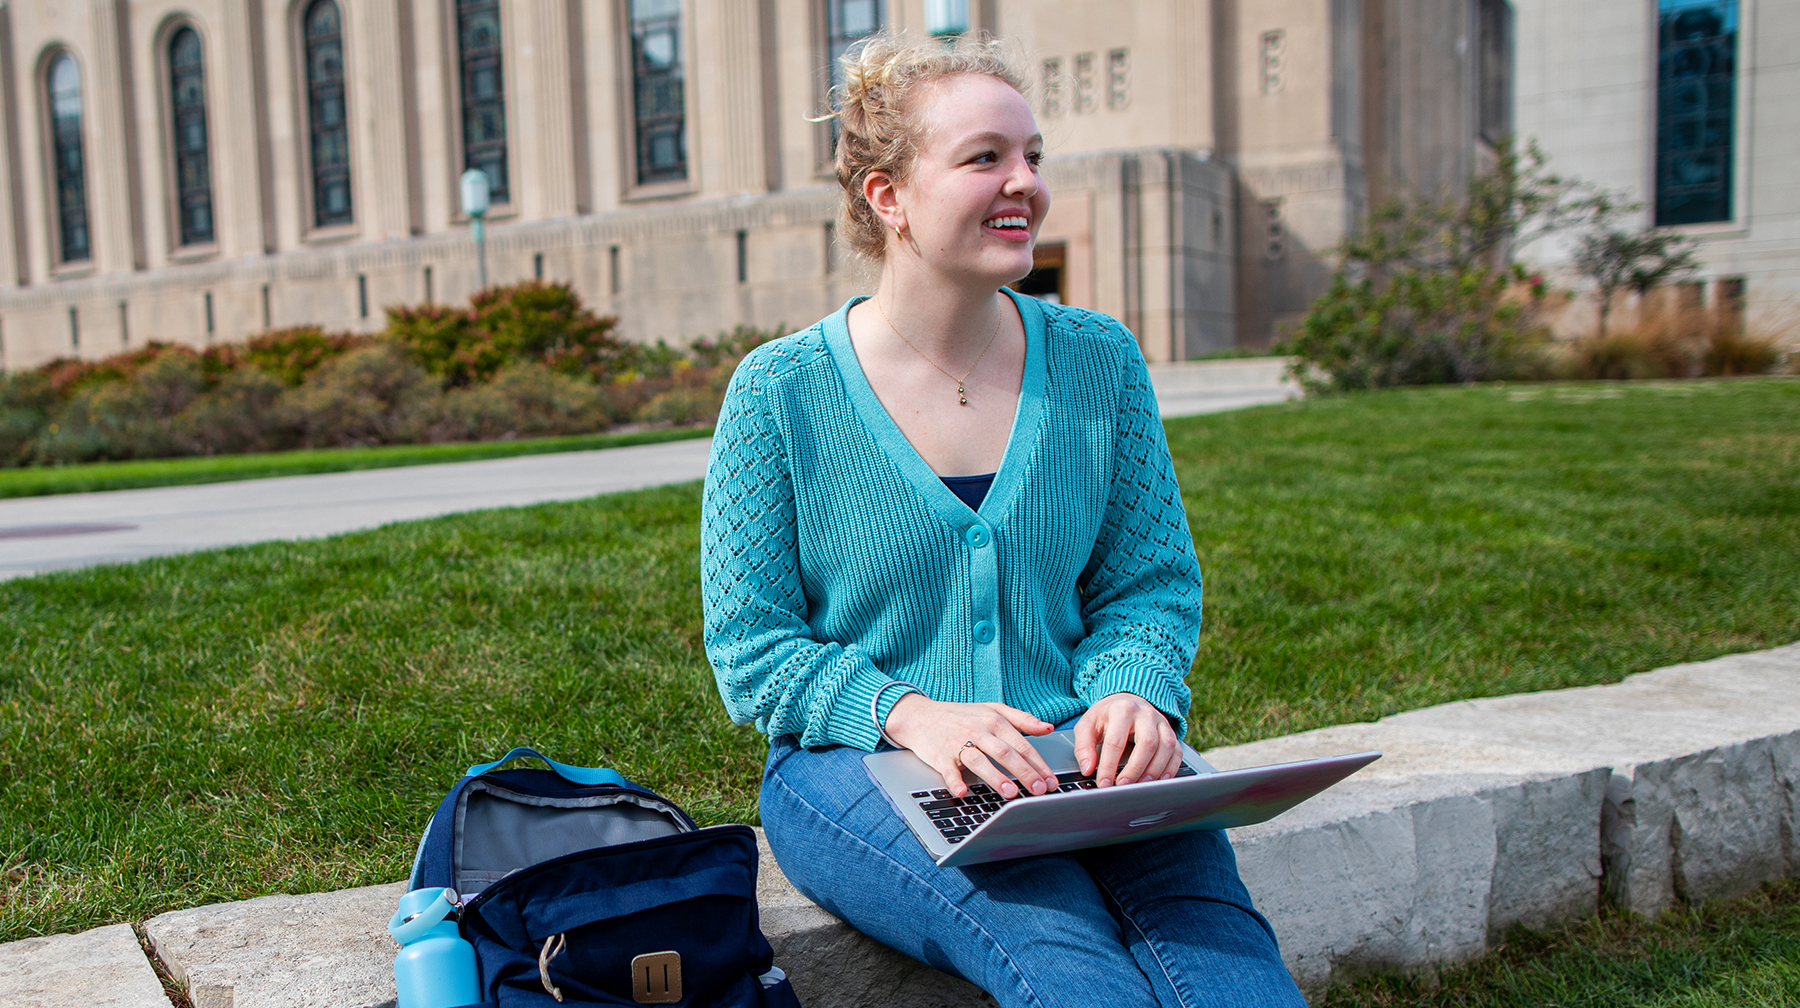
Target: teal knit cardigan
(835,563)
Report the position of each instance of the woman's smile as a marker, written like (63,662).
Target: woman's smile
(1011,227)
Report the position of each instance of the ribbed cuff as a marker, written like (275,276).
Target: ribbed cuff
(1144,679)
(849,723)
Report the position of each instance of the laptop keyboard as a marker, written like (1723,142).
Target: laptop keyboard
(956,818)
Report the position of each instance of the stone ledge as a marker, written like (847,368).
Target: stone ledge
(325,950)
(1672,784)
(102,968)
(1526,809)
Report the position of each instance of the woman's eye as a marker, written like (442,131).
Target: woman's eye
(987,158)
(1035,157)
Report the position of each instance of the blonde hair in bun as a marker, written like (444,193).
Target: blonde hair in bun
(877,126)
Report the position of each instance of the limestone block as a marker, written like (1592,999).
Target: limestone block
(102,968)
(1702,826)
(1422,877)
(833,965)
(1547,866)
(325,950)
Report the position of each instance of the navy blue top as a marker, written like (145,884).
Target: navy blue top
(971,490)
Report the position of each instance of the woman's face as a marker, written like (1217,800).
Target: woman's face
(975,200)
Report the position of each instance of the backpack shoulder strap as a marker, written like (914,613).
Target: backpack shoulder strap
(589,776)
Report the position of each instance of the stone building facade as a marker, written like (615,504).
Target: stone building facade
(1691,107)
(201,170)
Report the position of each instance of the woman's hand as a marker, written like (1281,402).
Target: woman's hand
(935,731)
(1119,718)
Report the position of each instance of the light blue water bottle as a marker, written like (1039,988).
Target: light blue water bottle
(435,967)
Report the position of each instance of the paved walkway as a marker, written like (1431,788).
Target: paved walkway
(39,534)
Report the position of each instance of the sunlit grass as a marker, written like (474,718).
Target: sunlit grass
(1742,954)
(283,717)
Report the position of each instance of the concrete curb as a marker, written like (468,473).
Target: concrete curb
(1526,810)
(102,968)
(1674,784)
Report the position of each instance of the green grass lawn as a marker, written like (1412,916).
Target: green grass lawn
(283,717)
(38,481)
(1742,954)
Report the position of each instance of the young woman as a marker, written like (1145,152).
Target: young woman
(945,518)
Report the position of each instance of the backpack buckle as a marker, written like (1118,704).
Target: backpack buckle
(656,978)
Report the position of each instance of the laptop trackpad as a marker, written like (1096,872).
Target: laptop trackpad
(1058,750)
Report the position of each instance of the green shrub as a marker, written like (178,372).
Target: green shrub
(679,407)
(550,402)
(728,348)
(525,322)
(523,400)
(242,413)
(68,375)
(26,402)
(121,419)
(287,354)
(376,394)
(526,360)
(1420,327)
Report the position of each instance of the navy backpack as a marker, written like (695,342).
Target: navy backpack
(580,887)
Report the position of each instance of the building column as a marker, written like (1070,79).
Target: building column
(382,118)
(730,68)
(244,212)
(1194,61)
(114,191)
(13,270)
(540,107)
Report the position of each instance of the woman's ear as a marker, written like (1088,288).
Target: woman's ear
(884,199)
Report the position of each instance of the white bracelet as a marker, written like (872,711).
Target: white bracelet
(875,709)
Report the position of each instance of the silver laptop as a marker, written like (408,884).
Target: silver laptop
(982,826)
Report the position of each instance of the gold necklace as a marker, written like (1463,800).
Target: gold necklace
(962,394)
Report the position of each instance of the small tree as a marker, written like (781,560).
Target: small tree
(1422,293)
(1636,260)
(1509,206)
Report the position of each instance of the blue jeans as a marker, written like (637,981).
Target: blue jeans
(1159,922)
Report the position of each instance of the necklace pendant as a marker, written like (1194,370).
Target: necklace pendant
(962,394)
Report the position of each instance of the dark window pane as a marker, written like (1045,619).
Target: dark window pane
(187,73)
(325,108)
(483,93)
(658,103)
(1696,76)
(847,23)
(71,175)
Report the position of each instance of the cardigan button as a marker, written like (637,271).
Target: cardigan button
(984,632)
(977,536)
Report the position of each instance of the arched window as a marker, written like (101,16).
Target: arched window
(325,106)
(657,101)
(483,92)
(193,172)
(71,170)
